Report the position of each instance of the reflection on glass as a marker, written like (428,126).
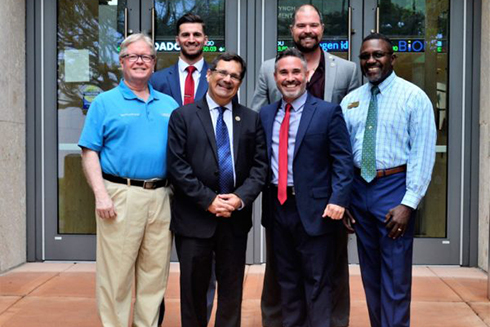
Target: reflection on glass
(167,13)
(419,30)
(335,19)
(88,38)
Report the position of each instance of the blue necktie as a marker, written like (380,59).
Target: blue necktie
(224,155)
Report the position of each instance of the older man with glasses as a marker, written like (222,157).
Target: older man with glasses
(218,164)
(124,143)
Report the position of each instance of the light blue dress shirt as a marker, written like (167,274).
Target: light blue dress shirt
(406,132)
(294,119)
(228,119)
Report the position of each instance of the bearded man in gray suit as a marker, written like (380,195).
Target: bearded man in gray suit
(329,78)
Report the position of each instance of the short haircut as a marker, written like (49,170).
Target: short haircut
(290,52)
(229,56)
(190,18)
(135,38)
(301,8)
(379,36)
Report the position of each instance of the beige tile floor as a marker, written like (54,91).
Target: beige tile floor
(62,294)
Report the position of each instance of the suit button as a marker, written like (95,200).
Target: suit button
(216,173)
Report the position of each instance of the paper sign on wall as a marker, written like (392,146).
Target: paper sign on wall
(77,66)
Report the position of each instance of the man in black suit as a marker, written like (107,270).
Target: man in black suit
(218,164)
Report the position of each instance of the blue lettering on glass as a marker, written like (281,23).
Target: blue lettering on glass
(409,45)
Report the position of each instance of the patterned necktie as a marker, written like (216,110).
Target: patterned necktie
(282,183)
(368,163)
(224,155)
(189,85)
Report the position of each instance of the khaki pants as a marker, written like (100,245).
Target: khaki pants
(136,246)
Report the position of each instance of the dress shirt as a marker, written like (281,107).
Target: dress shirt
(316,85)
(406,133)
(228,119)
(294,119)
(196,75)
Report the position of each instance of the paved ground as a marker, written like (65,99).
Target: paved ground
(62,294)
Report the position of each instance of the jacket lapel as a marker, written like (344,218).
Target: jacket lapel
(308,111)
(237,126)
(269,124)
(174,82)
(330,72)
(202,87)
(205,117)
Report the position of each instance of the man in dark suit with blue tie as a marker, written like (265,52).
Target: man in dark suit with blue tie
(307,191)
(186,80)
(217,163)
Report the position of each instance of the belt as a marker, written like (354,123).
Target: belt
(290,189)
(149,184)
(386,172)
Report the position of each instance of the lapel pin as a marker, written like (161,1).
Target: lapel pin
(353,105)
(237,118)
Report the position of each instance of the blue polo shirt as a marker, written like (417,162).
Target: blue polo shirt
(129,134)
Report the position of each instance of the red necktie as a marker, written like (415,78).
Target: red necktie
(189,86)
(282,184)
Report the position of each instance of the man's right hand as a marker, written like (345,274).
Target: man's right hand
(220,208)
(105,207)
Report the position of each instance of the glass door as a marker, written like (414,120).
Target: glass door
(420,31)
(80,62)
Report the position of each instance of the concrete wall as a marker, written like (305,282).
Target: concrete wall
(484,201)
(12,134)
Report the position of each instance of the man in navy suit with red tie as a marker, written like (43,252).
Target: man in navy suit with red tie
(307,191)
(186,80)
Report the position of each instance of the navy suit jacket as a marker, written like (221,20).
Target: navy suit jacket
(167,81)
(322,164)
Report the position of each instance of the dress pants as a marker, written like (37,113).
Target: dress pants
(304,268)
(386,264)
(210,297)
(271,294)
(195,257)
(135,246)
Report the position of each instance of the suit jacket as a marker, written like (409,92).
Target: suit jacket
(341,77)
(192,162)
(167,81)
(322,164)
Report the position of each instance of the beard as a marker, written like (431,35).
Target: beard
(191,56)
(307,49)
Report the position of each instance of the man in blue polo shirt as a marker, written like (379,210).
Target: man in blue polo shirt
(123,145)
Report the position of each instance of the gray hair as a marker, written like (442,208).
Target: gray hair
(135,38)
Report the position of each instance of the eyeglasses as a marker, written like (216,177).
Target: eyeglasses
(135,57)
(376,55)
(224,73)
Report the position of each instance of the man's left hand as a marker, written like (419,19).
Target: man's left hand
(232,199)
(333,211)
(397,220)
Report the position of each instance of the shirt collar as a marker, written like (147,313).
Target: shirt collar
(213,105)
(385,84)
(183,65)
(129,94)
(297,103)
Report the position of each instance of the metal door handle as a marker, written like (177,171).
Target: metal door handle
(349,34)
(377,19)
(125,22)
(153,25)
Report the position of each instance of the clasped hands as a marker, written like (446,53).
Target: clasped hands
(224,204)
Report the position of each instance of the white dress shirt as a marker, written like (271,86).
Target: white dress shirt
(183,75)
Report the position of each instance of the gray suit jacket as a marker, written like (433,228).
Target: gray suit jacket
(340,78)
